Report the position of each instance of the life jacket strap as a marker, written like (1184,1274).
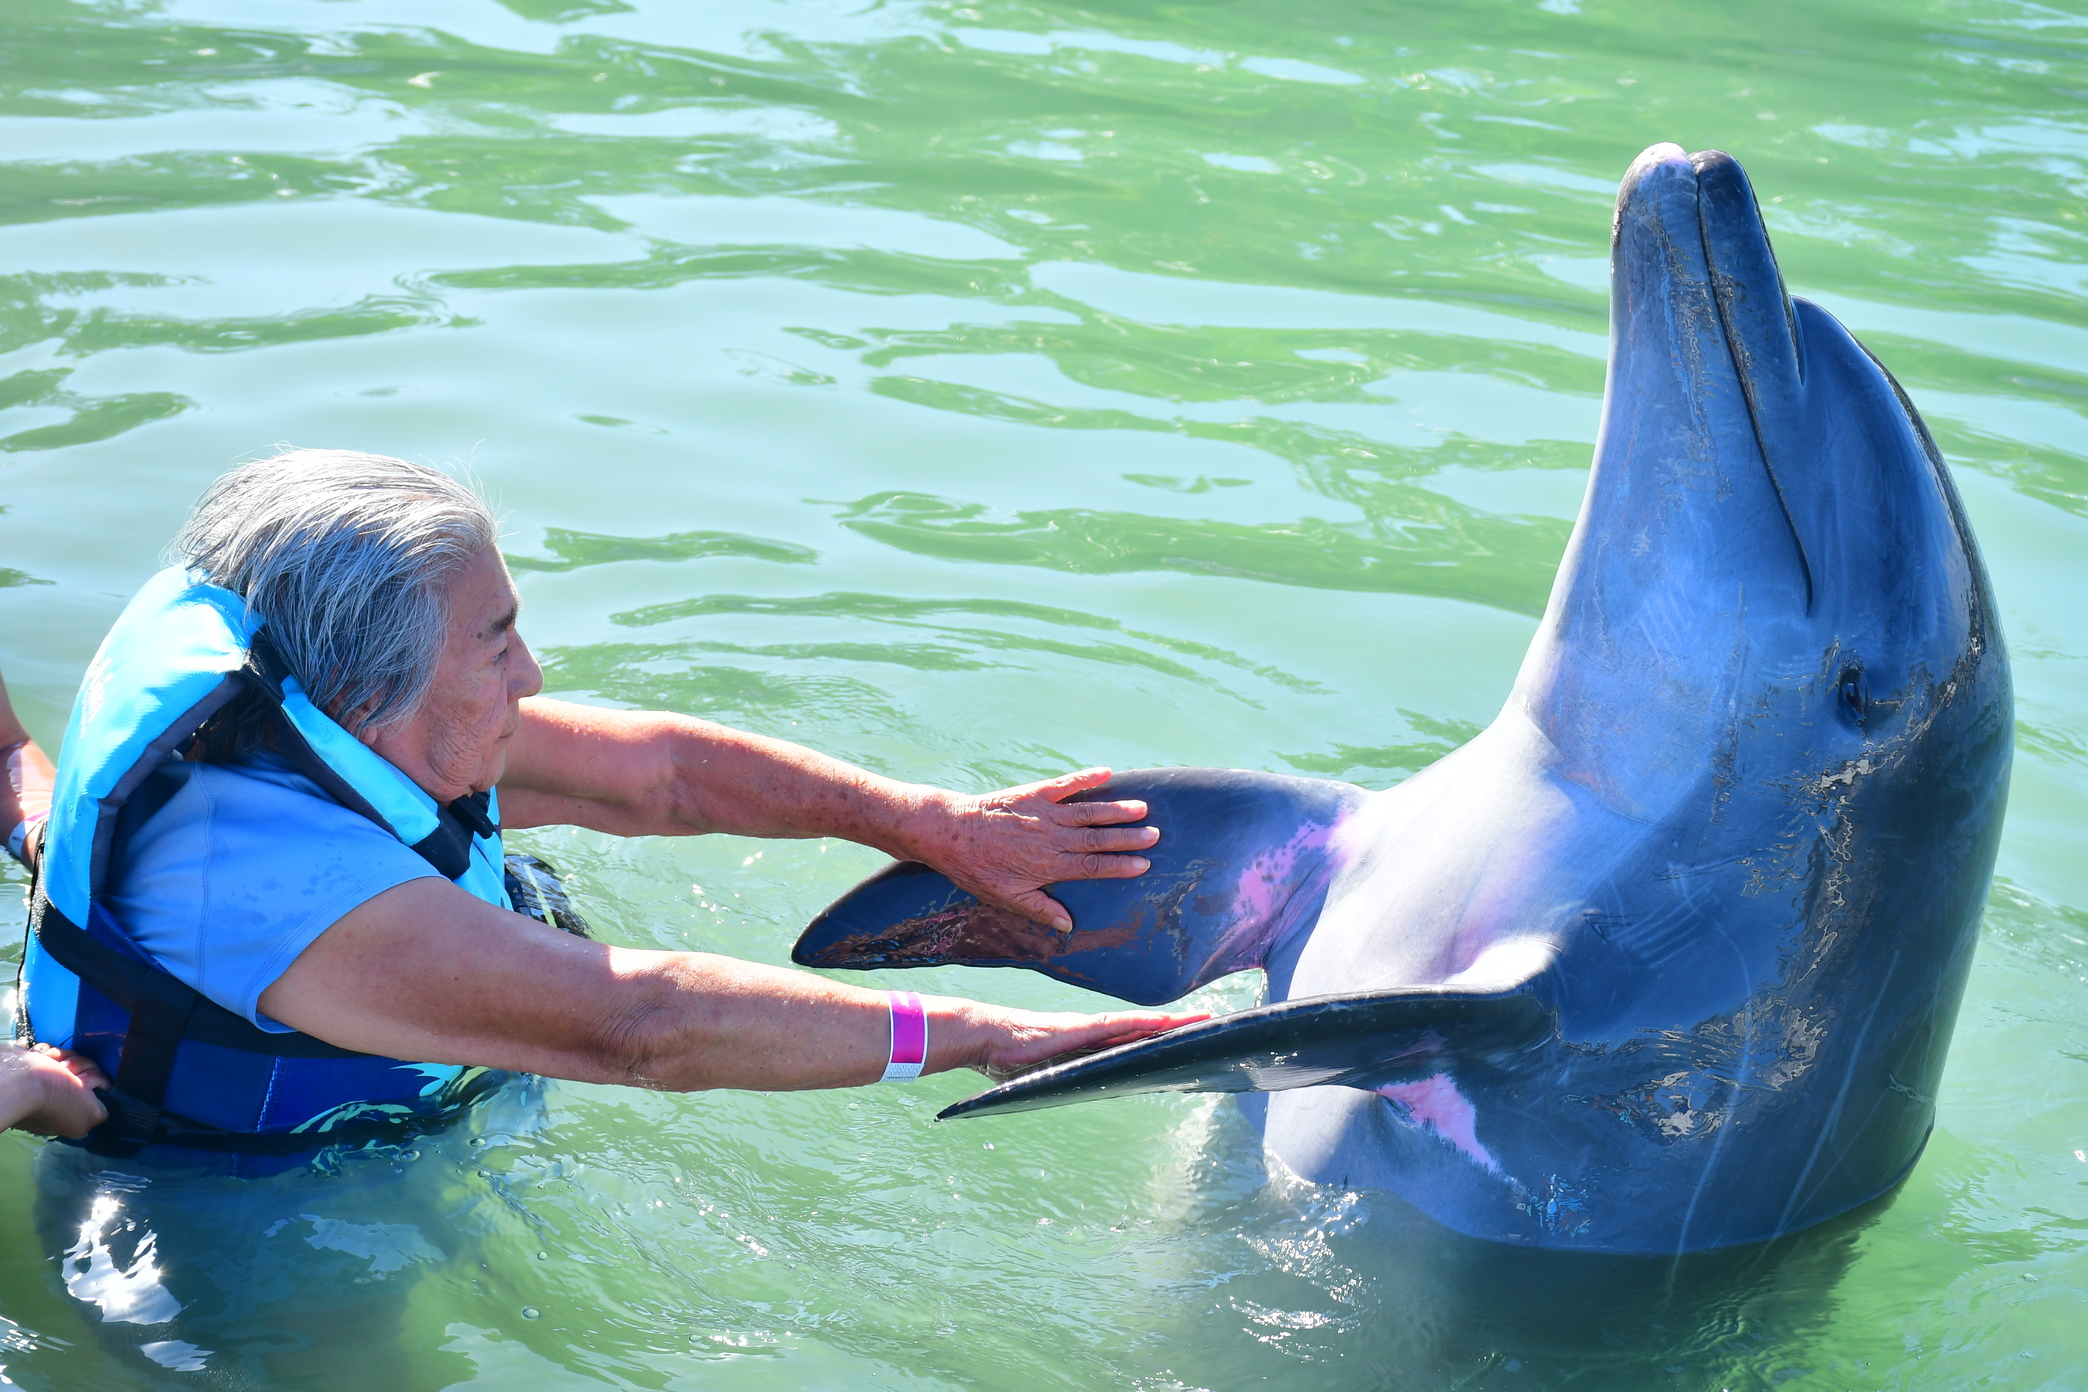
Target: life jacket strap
(447,848)
(264,672)
(158,1019)
(164,1010)
(175,1130)
(126,980)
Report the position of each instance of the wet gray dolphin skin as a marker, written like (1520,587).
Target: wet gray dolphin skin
(1667,958)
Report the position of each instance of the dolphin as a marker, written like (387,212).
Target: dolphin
(1668,957)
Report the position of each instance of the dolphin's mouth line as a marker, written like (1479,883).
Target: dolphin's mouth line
(1722,296)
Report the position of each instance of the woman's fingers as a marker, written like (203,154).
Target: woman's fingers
(1033,903)
(1114,838)
(1040,907)
(1036,1039)
(1008,847)
(1127,1025)
(1109,867)
(1095,814)
(1062,787)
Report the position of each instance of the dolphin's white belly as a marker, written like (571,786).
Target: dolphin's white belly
(1470,873)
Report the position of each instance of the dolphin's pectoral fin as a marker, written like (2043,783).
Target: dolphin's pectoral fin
(1369,1040)
(1241,861)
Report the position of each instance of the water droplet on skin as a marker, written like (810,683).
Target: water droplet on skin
(529,1312)
(543,1256)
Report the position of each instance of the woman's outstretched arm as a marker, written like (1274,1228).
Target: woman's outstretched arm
(426,971)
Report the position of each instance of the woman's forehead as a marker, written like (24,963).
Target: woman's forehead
(482,597)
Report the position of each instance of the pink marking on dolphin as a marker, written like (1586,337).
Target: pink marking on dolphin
(1266,884)
(1436,1105)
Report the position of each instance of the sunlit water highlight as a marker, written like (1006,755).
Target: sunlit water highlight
(976,391)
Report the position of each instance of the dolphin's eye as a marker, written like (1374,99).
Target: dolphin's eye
(1853,693)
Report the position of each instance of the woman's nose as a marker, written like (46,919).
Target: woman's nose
(525,677)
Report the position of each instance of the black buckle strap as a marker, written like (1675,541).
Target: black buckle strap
(127,980)
(536,892)
(130,1127)
(158,1019)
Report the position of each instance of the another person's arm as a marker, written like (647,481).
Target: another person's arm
(25,780)
(425,971)
(49,1091)
(650,773)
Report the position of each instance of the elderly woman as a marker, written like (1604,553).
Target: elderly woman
(272,870)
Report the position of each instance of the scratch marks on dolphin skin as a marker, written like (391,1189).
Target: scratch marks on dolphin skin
(1435,1104)
(970,931)
(1677,1107)
(1851,771)
(1565,1209)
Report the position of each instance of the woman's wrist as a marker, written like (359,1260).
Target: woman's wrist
(911,821)
(958,1033)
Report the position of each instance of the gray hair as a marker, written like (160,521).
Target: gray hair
(346,557)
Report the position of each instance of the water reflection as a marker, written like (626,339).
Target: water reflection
(1344,1290)
(303,1278)
(126,1293)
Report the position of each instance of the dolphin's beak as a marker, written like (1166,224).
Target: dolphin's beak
(1685,545)
(1704,338)
(1761,329)
(1856,479)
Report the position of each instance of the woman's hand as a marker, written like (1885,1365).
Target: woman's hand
(1006,846)
(49,1091)
(1002,1043)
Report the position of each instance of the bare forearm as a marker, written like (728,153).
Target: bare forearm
(752,785)
(723,1023)
(653,773)
(424,971)
(650,773)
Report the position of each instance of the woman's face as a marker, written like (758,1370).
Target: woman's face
(457,742)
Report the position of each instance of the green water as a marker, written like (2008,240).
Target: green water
(975,392)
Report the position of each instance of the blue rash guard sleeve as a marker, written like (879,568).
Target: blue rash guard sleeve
(242,869)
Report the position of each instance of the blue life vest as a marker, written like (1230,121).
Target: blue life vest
(187,1072)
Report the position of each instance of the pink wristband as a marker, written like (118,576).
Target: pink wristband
(909,1038)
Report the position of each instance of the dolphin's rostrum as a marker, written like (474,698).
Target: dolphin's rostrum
(1668,957)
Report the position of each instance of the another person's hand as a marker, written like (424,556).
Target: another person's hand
(1007,846)
(49,1091)
(25,779)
